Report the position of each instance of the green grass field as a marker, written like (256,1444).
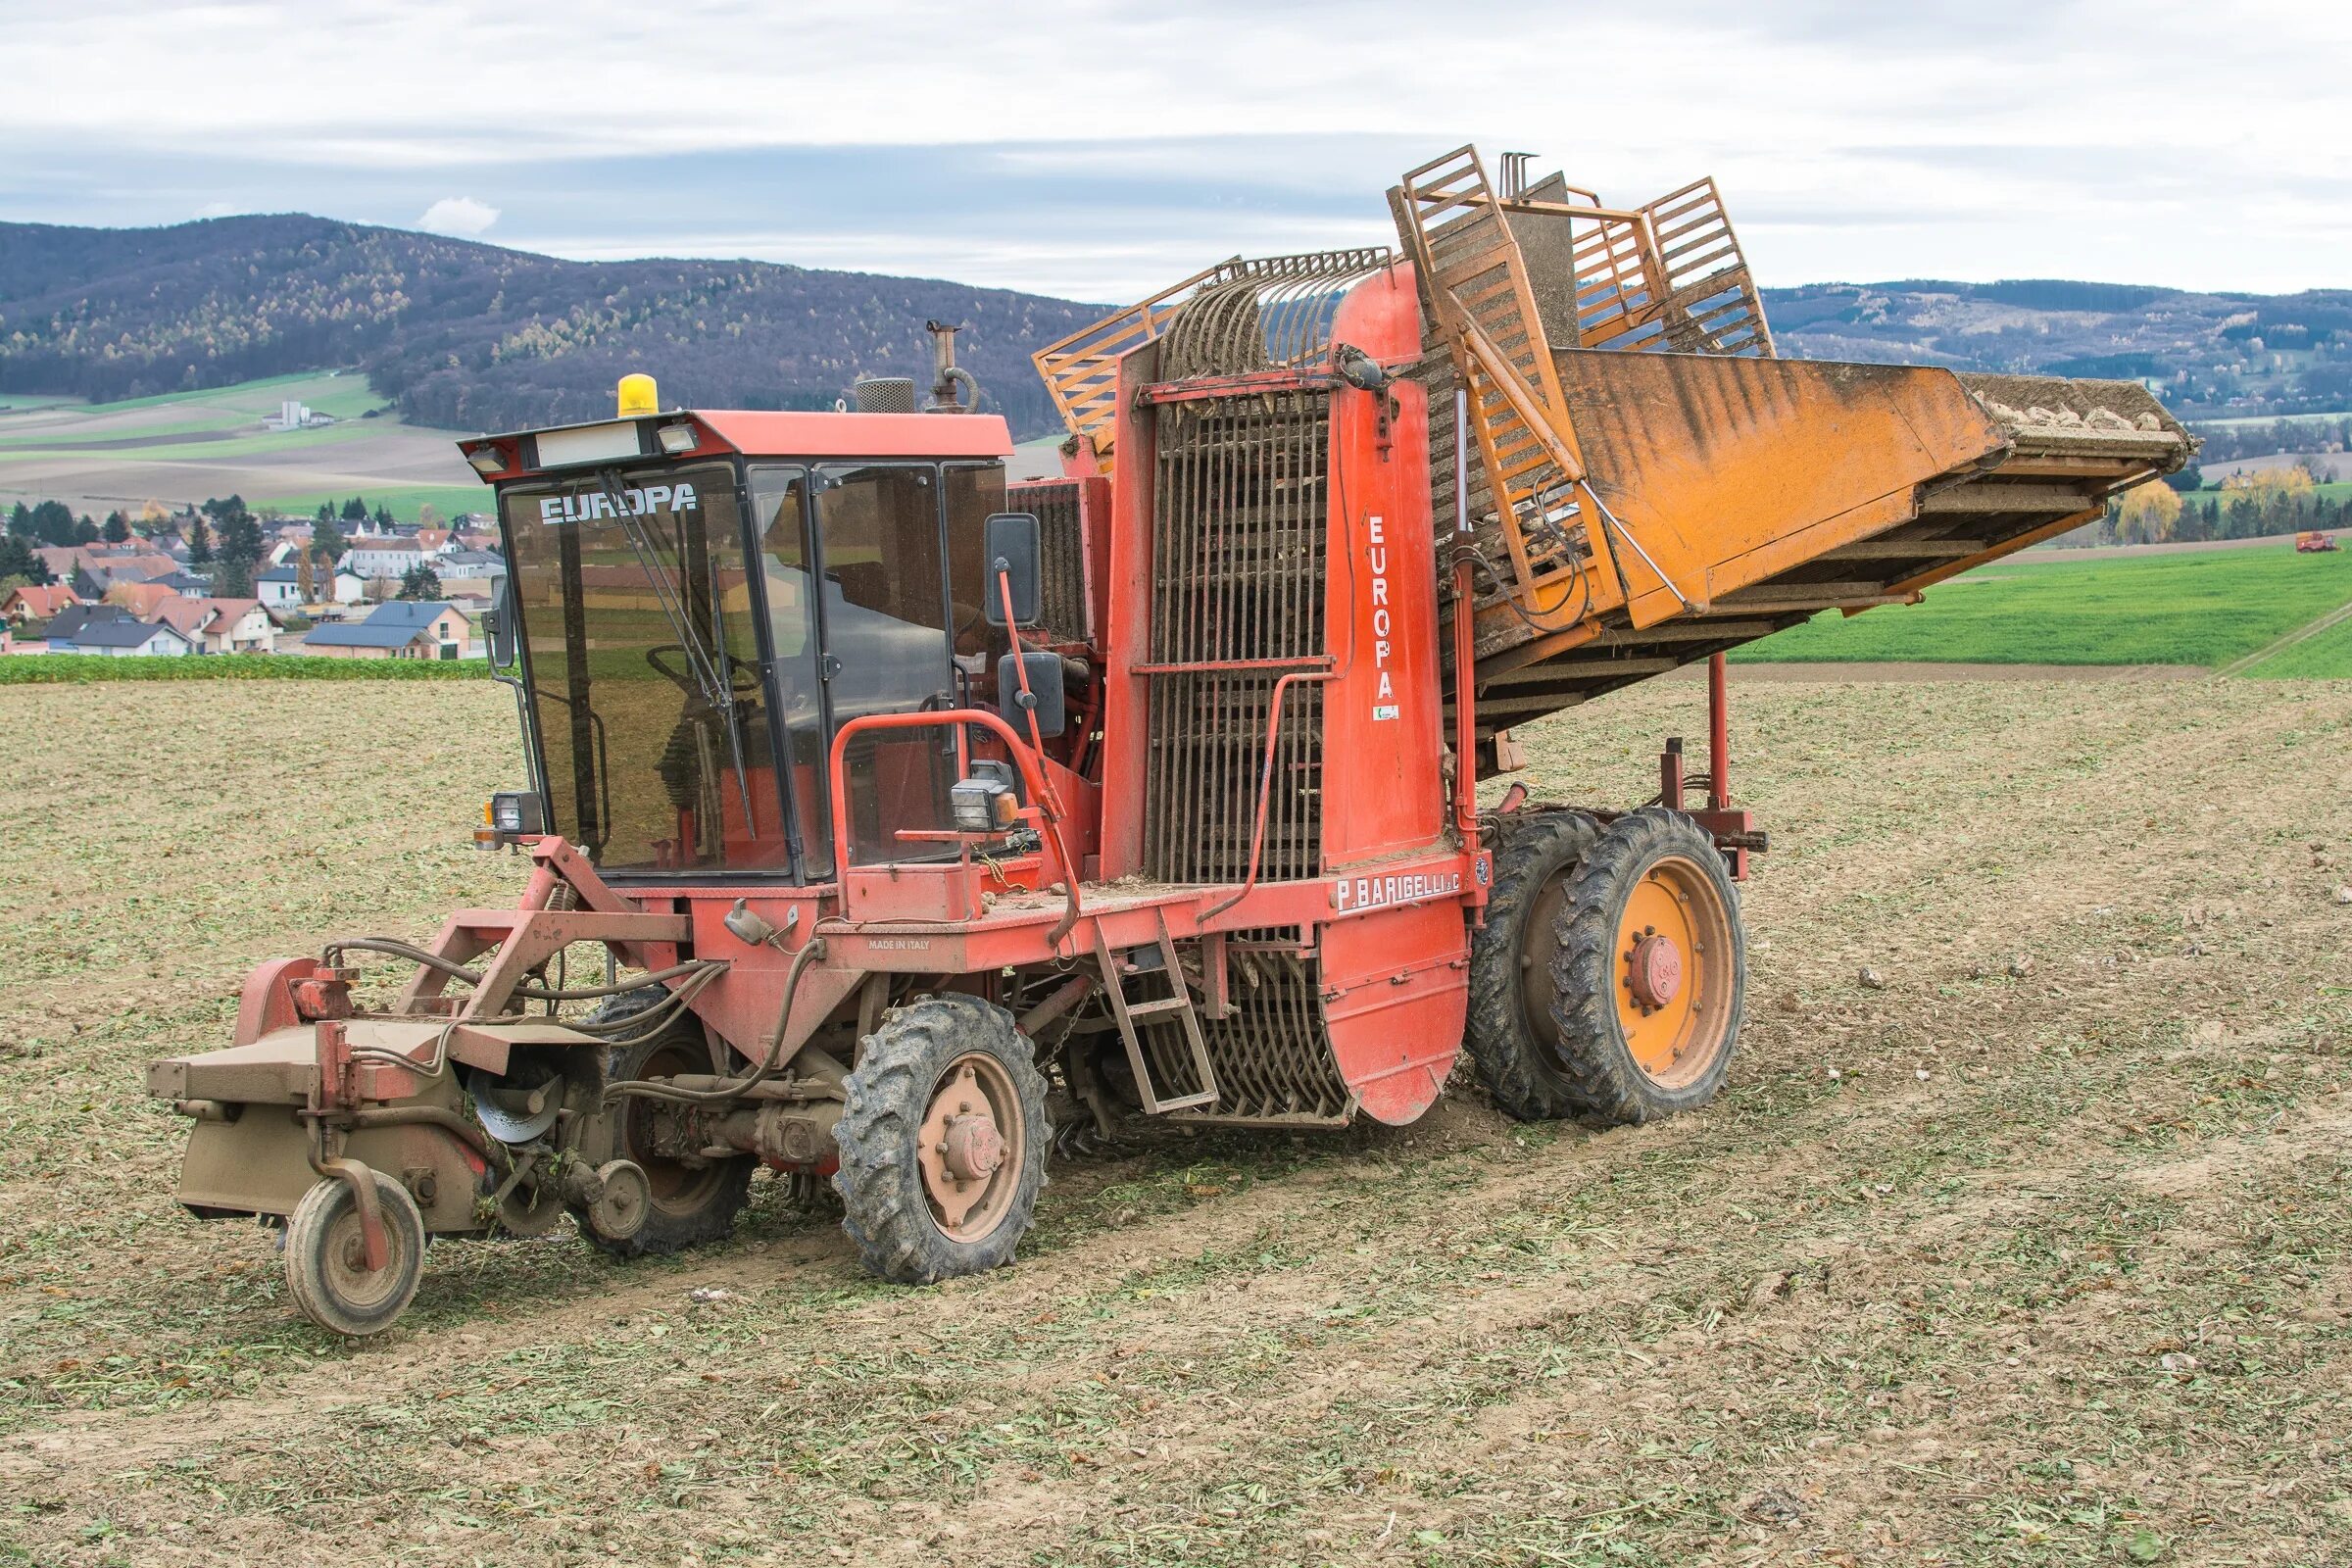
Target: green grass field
(89,669)
(405,501)
(265,444)
(180,447)
(2203,609)
(2324,656)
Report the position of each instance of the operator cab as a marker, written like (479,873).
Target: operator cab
(698,600)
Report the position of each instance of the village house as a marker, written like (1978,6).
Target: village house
(383,555)
(469,573)
(68,621)
(30,602)
(185,583)
(221,625)
(280,588)
(142,599)
(398,629)
(93,575)
(123,639)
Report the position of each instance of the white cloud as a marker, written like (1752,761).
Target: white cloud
(1854,138)
(457,215)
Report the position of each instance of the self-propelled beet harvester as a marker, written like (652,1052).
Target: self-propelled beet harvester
(896,796)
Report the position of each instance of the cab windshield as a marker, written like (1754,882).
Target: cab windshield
(633,608)
(684,695)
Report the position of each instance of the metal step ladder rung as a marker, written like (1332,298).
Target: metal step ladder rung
(1179,1004)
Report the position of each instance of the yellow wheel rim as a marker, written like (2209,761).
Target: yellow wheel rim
(1671,970)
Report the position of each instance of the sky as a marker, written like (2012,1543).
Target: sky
(1101,151)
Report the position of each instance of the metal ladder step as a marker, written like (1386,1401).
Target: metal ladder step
(1180,1004)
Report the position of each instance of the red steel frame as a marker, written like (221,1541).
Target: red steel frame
(1389,914)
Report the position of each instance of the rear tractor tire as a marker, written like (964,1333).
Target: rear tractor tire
(942,1140)
(684,1204)
(326,1263)
(1609,979)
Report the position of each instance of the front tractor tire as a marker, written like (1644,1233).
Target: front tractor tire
(1609,979)
(942,1140)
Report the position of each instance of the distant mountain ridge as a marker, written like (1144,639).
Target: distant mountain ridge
(470,336)
(2209,352)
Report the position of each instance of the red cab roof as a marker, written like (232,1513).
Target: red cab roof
(801,434)
(809,436)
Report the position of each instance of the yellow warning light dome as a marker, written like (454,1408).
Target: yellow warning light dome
(639,395)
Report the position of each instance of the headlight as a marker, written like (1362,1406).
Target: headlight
(984,804)
(508,815)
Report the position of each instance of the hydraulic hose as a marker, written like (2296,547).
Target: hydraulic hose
(770,1060)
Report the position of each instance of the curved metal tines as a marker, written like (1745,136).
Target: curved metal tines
(1271,313)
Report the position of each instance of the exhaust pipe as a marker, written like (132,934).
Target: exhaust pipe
(947,378)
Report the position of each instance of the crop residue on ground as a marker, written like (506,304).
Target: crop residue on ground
(2034,1251)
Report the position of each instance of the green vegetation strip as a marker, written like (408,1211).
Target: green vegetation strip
(404,502)
(84,669)
(2324,656)
(2205,608)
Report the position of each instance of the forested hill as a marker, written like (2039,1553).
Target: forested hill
(470,336)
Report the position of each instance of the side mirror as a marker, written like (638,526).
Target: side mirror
(1045,697)
(500,624)
(1012,551)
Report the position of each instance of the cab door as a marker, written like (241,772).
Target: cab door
(883,616)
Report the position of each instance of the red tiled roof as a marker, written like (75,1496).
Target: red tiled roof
(142,599)
(185,615)
(41,602)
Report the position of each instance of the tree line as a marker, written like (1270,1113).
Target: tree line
(2260,504)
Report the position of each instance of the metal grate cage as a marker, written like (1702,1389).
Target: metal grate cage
(1064,615)
(1209,747)
(1272,1055)
(1240,519)
(1267,314)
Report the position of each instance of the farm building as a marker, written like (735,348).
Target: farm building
(399,629)
(384,556)
(68,621)
(281,587)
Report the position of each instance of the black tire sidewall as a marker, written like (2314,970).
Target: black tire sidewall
(1508,1052)
(666,1229)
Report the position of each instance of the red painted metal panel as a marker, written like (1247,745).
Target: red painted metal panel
(1126,623)
(268,1002)
(1396,995)
(1384,712)
(794,434)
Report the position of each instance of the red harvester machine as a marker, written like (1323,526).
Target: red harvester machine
(896,796)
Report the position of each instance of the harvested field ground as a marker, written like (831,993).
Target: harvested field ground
(2036,1252)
